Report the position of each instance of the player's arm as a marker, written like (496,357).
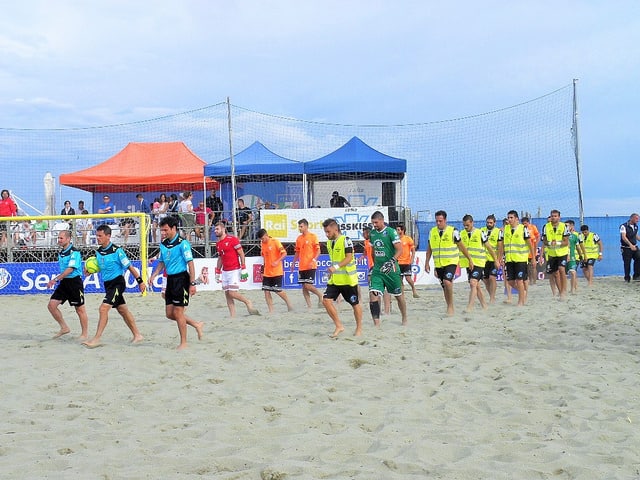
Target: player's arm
(192,277)
(60,276)
(465,252)
(156,270)
(427,258)
(134,271)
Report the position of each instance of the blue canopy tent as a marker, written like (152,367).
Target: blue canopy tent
(356,159)
(371,177)
(260,175)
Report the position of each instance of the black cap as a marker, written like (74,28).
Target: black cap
(335,194)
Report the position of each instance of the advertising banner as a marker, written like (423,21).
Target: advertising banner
(283,224)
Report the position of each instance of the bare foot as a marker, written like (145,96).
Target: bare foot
(182,346)
(336,332)
(415,295)
(92,343)
(82,338)
(63,331)
(137,339)
(253,311)
(358,332)
(199,326)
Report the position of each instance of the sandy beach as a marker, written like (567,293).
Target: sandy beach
(551,390)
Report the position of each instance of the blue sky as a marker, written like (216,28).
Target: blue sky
(75,64)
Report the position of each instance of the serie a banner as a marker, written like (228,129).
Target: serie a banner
(32,278)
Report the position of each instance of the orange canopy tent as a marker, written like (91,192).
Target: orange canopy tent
(140,167)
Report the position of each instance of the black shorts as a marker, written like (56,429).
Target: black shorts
(307,276)
(71,290)
(348,292)
(272,284)
(517,270)
(177,291)
(405,270)
(447,273)
(114,289)
(554,264)
(490,270)
(587,262)
(475,274)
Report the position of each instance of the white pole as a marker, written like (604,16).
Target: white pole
(576,148)
(233,172)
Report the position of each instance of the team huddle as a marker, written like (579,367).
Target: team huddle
(390,254)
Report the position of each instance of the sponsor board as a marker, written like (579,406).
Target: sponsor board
(283,224)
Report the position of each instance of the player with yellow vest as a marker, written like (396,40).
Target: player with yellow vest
(555,237)
(343,278)
(593,248)
(445,245)
(477,244)
(490,275)
(516,247)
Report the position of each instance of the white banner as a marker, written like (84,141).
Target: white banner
(205,268)
(283,224)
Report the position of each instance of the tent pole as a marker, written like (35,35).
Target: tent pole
(234,194)
(305,200)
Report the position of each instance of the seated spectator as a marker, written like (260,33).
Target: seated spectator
(244,217)
(338,201)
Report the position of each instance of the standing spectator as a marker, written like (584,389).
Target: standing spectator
(68,209)
(216,206)
(187,217)
(273,254)
(405,260)
(628,246)
(70,287)
(143,207)
(204,217)
(338,200)
(114,263)
(159,212)
(593,249)
(174,204)
(176,259)
(307,252)
(8,208)
(107,206)
(80,206)
(84,227)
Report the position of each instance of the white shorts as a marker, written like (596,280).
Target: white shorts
(231,280)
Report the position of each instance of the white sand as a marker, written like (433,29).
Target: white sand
(551,390)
